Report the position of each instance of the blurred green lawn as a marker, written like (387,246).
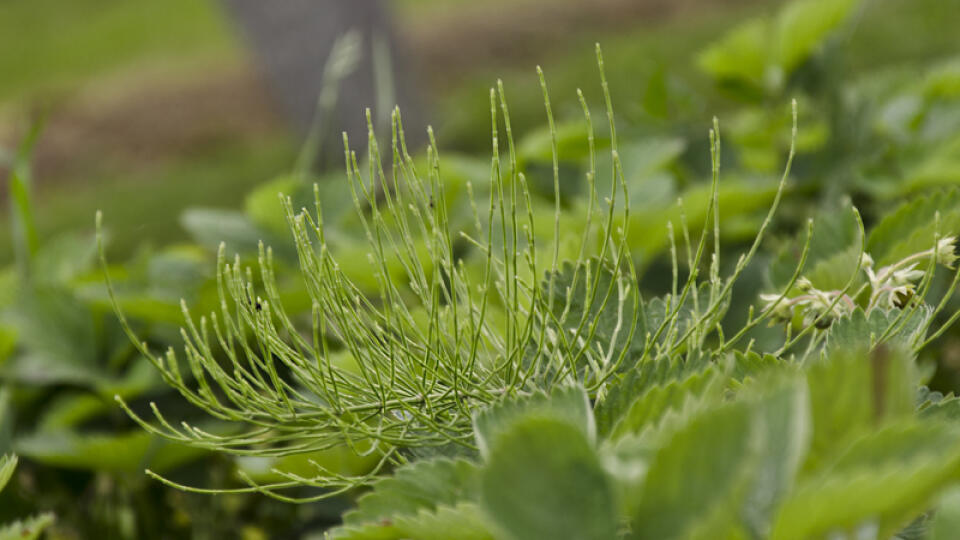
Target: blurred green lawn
(51,47)
(48,44)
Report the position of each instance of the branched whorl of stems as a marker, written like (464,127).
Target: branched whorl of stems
(405,366)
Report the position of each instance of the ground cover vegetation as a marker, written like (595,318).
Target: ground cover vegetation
(599,331)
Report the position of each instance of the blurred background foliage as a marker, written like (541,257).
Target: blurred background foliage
(153,113)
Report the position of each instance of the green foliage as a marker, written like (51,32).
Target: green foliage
(7,464)
(26,529)
(509,380)
(712,452)
(115,452)
(913,223)
(30,528)
(947,519)
(552,462)
(656,401)
(750,464)
(901,468)
(462,521)
(853,392)
(798,31)
(570,405)
(424,485)
(63,357)
(541,345)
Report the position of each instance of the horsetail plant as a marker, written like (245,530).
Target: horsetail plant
(428,351)
(477,315)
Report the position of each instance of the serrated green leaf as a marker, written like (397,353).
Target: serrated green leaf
(881,482)
(609,318)
(740,55)
(57,333)
(945,408)
(903,441)
(600,312)
(646,169)
(712,453)
(570,404)
(835,272)
(648,408)
(463,521)
(782,416)
(834,231)
(688,315)
(852,391)
(424,485)
(544,481)
(743,367)
(28,529)
(623,390)
(910,228)
(804,25)
(862,331)
(946,522)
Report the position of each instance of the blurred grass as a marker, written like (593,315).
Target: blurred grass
(632,57)
(219,177)
(47,46)
(416,9)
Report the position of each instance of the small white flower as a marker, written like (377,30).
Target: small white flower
(899,296)
(907,275)
(874,280)
(784,309)
(769,298)
(946,251)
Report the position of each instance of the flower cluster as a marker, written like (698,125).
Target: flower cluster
(817,306)
(892,286)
